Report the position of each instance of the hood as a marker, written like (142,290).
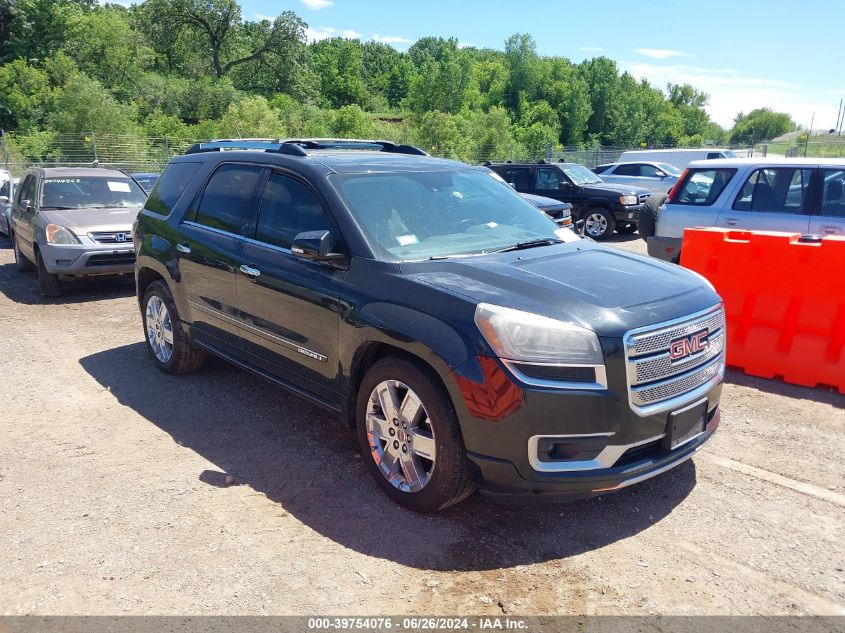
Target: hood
(82,221)
(599,288)
(616,189)
(541,202)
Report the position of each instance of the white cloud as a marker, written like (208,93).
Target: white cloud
(316,5)
(391,39)
(660,53)
(731,91)
(325,32)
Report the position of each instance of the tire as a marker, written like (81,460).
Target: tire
(648,216)
(394,449)
(172,354)
(627,228)
(599,223)
(48,283)
(22,264)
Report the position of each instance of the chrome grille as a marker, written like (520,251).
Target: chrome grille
(112,237)
(655,381)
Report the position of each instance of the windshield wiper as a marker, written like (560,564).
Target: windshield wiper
(544,241)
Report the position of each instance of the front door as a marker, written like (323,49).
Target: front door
(211,240)
(290,307)
(771,199)
(831,217)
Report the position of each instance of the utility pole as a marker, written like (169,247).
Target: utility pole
(838,116)
(809,134)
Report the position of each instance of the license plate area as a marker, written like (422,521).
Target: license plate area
(685,424)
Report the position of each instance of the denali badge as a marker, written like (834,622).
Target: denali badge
(688,345)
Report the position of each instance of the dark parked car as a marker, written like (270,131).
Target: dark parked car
(146,180)
(604,207)
(466,338)
(560,212)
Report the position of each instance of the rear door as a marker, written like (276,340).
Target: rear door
(519,178)
(208,253)
(770,199)
(24,220)
(830,219)
(290,307)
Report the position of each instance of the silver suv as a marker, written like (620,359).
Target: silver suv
(74,222)
(7,190)
(796,195)
(656,177)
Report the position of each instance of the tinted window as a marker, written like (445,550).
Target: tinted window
(649,171)
(27,189)
(703,186)
(627,170)
(712,155)
(519,178)
(548,178)
(601,169)
(780,190)
(170,187)
(833,202)
(5,188)
(91,192)
(227,201)
(288,209)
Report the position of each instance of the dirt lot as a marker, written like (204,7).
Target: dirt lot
(125,491)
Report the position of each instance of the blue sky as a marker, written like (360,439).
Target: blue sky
(746,54)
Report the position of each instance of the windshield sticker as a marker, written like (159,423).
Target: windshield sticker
(122,187)
(69,181)
(407,240)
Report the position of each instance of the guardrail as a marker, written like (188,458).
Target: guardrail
(784,300)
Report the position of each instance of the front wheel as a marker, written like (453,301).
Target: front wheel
(22,264)
(599,223)
(409,436)
(167,342)
(48,283)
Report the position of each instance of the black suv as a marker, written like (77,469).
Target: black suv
(466,338)
(604,207)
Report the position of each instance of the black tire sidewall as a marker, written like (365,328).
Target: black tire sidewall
(21,262)
(440,491)
(160,290)
(48,283)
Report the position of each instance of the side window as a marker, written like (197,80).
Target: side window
(5,188)
(548,178)
(227,202)
(833,202)
(650,171)
(171,186)
(712,155)
(601,169)
(775,190)
(703,186)
(27,189)
(288,209)
(521,178)
(627,170)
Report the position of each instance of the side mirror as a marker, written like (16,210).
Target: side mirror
(565,186)
(27,205)
(314,246)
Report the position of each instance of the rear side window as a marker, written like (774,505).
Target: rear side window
(833,202)
(170,187)
(774,190)
(627,170)
(519,178)
(27,189)
(228,199)
(288,209)
(703,186)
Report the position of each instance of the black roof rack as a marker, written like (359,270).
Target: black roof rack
(298,147)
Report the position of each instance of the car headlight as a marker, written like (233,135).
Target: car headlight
(57,234)
(627,200)
(526,337)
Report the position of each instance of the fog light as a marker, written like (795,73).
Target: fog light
(565,449)
(63,262)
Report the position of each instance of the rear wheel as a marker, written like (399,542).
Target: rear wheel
(48,283)
(22,264)
(167,342)
(599,223)
(409,436)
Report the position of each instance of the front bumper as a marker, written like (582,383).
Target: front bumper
(665,248)
(627,214)
(83,260)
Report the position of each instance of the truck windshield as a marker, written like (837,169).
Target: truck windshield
(90,192)
(422,215)
(580,175)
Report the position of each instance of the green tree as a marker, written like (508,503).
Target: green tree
(523,69)
(762,124)
(251,117)
(338,63)
(351,121)
(443,83)
(26,95)
(85,106)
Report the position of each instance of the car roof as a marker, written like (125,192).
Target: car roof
(767,160)
(675,150)
(70,172)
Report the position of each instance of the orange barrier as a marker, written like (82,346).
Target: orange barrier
(784,301)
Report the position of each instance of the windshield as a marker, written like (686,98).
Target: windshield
(728,153)
(91,192)
(580,175)
(420,215)
(670,169)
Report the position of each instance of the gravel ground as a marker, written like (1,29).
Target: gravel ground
(125,491)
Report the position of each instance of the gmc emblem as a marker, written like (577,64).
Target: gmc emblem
(688,345)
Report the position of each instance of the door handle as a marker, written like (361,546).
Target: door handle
(830,229)
(731,222)
(249,271)
(183,248)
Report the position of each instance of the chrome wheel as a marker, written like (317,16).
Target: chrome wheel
(400,436)
(596,225)
(159,329)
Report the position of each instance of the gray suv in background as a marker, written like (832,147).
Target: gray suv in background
(71,223)
(7,190)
